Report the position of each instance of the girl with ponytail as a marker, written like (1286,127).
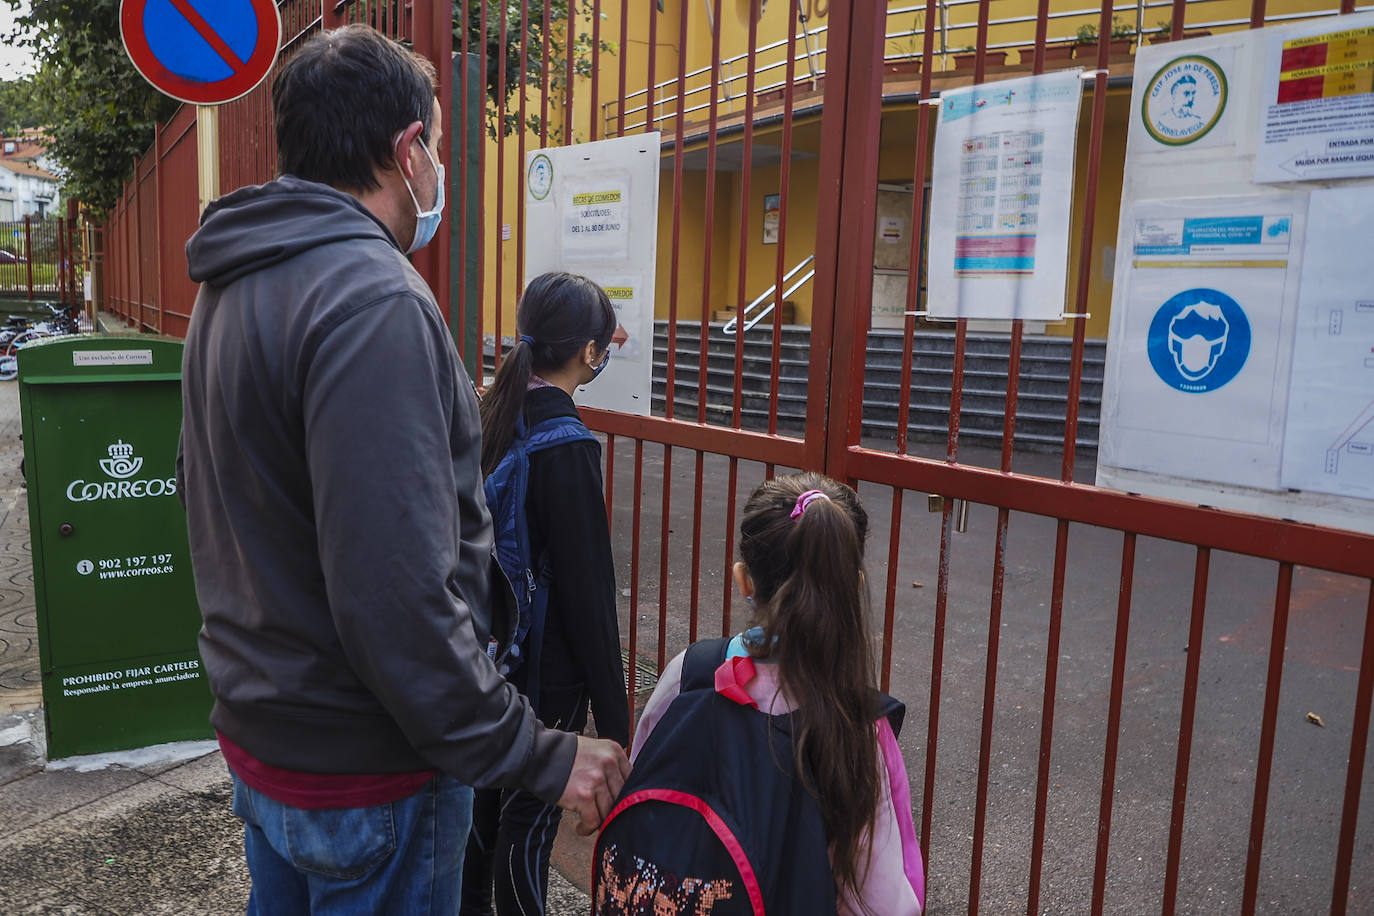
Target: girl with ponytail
(565,323)
(802,573)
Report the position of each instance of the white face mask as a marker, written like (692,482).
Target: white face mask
(1196,356)
(426,221)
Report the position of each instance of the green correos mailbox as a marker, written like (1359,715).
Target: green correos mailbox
(117,613)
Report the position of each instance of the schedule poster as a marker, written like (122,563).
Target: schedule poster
(1002,196)
(1317,115)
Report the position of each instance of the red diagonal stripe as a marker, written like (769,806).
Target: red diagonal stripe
(210,35)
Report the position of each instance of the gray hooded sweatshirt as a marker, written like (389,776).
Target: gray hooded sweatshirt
(331,474)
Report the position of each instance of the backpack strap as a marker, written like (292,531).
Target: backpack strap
(555,431)
(702,659)
(700,663)
(893,709)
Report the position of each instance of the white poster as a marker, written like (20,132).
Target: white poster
(1195,385)
(1237,340)
(1001,198)
(1329,445)
(1317,111)
(592,209)
(596,221)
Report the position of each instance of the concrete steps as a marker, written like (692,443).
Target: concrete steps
(1042,389)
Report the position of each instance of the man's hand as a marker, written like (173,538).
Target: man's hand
(599,771)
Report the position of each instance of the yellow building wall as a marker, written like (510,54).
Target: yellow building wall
(596,116)
(692,291)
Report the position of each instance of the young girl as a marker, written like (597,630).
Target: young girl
(802,540)
(565,324)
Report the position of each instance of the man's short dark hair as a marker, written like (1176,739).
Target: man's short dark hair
(340,101)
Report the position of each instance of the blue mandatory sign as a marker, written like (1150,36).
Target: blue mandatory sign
(1199,340)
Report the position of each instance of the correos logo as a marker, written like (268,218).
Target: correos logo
(121,465)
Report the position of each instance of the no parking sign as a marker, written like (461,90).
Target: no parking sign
(204,52)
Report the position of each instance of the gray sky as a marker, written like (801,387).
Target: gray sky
(13,61)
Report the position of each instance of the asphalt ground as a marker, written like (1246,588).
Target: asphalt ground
(153,833)
(1309,765)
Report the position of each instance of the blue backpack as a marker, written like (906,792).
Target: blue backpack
(506,488)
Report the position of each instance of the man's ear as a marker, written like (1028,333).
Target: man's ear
(405,149)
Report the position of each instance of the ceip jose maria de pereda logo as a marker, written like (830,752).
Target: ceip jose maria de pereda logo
(121,465)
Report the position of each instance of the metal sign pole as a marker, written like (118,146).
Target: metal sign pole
(207,153)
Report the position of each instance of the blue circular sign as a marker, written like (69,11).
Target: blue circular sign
(204,52)
(1199,340)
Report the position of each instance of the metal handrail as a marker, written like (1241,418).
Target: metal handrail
(653,102)
(730,325)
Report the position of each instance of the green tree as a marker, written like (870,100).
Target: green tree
(100,114)
(533,41)
(19,106)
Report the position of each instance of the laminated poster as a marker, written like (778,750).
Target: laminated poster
(1002,198)
(1196,387)
(1329,442)
(592,209)
(1317,110)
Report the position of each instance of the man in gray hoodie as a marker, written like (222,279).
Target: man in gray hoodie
(340,539)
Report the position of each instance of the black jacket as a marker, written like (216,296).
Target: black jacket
(333,489)
(565,508)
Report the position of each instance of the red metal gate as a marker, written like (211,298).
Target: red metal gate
(846,223)
(855,75)
(806,116)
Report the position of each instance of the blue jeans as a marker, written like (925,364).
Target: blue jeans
(403,857)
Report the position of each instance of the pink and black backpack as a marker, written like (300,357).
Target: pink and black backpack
(714,818)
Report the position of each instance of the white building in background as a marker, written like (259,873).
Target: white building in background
(27,190)
(28,186)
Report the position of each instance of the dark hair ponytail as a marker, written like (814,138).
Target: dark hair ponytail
(811,594)
(558,313)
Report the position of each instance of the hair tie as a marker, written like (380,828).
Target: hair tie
(807,499)
(527,339)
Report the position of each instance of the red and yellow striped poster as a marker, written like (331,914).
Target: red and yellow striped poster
(1327,66)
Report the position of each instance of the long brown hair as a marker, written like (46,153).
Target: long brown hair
(811,597)
(558,313)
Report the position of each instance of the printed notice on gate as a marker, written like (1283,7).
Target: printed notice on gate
(1329,439)
(1001,198)
(1198,354)
(592,209)
(1317,112)
(596,224)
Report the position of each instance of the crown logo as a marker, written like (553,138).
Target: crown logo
(121,464)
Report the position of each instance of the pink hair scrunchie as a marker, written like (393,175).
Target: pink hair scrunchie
(805,500)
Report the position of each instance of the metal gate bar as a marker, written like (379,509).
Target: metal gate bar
(1273,679)
(1359,742)
(1104,816)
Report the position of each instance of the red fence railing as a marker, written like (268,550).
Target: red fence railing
(41,259)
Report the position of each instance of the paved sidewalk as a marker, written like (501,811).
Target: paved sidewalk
(140,832)
(19,686)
